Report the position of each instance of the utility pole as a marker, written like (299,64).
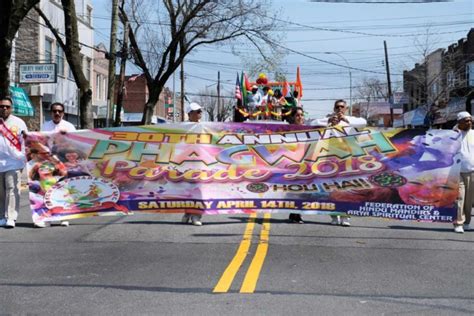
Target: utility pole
(174,97)
(121,83)
(389,84)
(182,91)
(112,58)
(218,96)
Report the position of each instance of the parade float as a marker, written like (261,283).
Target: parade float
(267,100)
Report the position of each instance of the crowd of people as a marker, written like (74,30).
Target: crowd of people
(13,158)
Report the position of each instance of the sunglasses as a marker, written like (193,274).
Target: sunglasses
(339,106)
(198,111)
(57,111)
(3,106)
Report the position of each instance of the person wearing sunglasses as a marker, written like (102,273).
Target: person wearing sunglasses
(339,118)
(12,162)
(57,124)
(194,111)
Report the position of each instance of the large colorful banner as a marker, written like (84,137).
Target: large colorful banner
(222,168)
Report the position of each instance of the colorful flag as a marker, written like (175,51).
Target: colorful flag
(298,84)
(238,93)
(243,89)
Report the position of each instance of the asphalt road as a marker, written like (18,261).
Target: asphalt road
(153,264)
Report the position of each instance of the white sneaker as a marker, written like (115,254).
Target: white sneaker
(345,222)
(10,223)
(64,223)
(185,218)
(458,229)
(3,222)
(335,220)
(196,221)
(466,227)
(40,224)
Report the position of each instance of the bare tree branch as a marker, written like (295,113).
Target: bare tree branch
(184,25)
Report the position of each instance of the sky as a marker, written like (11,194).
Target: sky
(350,35)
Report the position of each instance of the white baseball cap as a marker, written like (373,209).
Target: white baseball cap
(462,115)
(193,106)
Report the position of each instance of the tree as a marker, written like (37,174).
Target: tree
(72,50)
(11,15)
(181,26)
(370,90)
(209,102)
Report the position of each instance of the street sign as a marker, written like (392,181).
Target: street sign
(22,105)
(37,73)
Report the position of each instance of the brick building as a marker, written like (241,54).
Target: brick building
(135,97)
(443,82)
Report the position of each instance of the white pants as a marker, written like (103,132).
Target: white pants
(10,194)
(466,191)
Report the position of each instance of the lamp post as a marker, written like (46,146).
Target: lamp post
(350,78)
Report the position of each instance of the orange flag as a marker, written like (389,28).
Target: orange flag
(299,85)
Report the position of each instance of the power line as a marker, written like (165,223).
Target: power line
(79,42)
(356,32)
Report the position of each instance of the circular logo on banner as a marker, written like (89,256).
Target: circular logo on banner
(258,187)
(388,180)
(81,192)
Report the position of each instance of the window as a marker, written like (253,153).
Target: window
(104,87)
(434,89)
(59,59)
(88,68)
(89,15)
(98,88)
(450,79)
(470,74)
(48,50)
(70,75)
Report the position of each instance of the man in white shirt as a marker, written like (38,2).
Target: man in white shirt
(12,161)
(194,111)
(57,124)
(254,99)
(339,118)
(466,184)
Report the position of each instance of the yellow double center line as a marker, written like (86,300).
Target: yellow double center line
(251,277)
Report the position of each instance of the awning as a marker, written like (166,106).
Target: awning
(22,105)
(415,117)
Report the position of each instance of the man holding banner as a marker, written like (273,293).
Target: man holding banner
(339,118)
(194,111)
(57,124)
(466,184)
(12,162)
